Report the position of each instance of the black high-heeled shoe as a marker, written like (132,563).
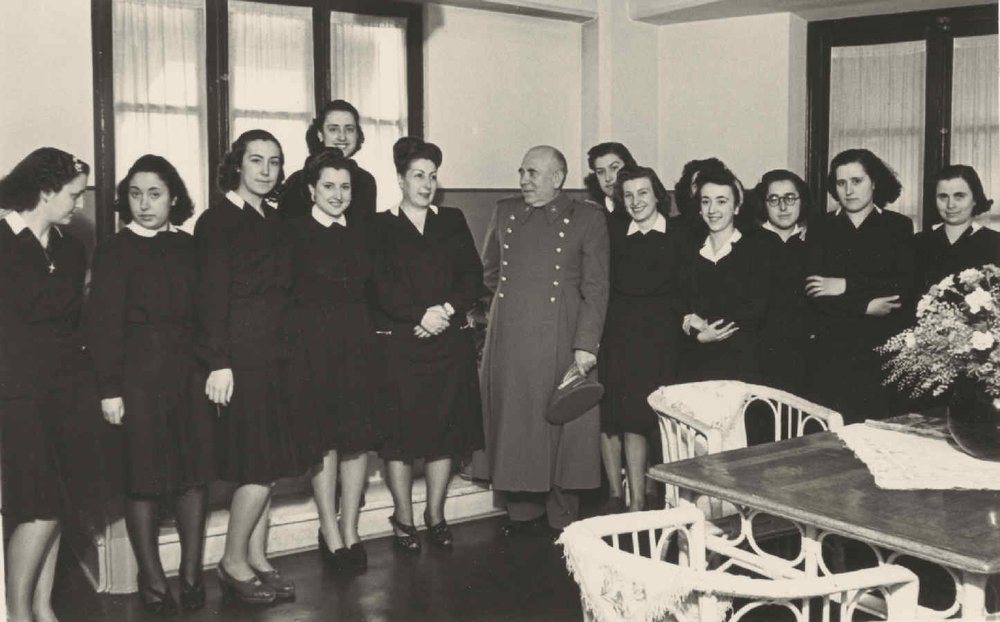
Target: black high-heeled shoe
(439,534)
(356,558)
(252,591)
(155,602)
(409,541)
(334,560)
(192,596)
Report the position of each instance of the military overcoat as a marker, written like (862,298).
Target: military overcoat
(548,270)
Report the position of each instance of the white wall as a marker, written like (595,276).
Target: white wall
(495,84)
(46,79)
(735,89)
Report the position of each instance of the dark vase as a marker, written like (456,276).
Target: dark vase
(973,420)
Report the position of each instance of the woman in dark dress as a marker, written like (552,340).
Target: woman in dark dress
(725,286)
(428,276)
(784,201)
(956,242)
(244,261)
(337,125)
(140,324)
(861,270)
(42,366)
(639,347)
(605,161)
(332,366)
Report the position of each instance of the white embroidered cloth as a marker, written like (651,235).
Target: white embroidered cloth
(900,457)
(617,586)
(717,403)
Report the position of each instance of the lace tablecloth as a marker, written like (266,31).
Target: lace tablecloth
(917,453)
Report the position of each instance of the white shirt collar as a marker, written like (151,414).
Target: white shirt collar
(839,209)
(797,230)
(976,226)
(327,220)
(139,230)
(659,224)
(707,252)
(394,210)
(238,201)
(17,224)
(609,204)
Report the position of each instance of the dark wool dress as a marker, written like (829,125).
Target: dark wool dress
(49,410)
(140,323)
(433,407)
(786,330)
(736,289)
(244,262)
(295,200)
(642,333)
(937,257)
(877,260)
(333,372)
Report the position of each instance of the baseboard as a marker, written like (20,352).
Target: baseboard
(111,566)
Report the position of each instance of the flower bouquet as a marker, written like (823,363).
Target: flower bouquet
(955,342)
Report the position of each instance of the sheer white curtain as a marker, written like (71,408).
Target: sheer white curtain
(877,102)
(159,88)
(368,69)
(271,74)
(975,128)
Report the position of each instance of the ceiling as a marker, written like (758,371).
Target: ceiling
(680,11)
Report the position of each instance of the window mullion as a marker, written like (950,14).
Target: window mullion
(321,56)
(937,127)
(101,18)
(217,74)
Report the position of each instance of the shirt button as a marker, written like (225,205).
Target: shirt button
(504,262)
(566,221)
(552,299)
(561,234)
(506,246)
(556,283)
(500,294)
(558,250)
(512,217)
(557,266)
(509,230)
(503,278)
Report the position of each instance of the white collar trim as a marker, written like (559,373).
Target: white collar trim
(706,248)
(17,224)
(797,230)
(235,199)
(659,224)
(139,230)
(327,220)
(609,204)
(394,210)
(839,209)
(976,226)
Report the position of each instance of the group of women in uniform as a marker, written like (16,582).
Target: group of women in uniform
(738,286)
(298,329)
(293,333)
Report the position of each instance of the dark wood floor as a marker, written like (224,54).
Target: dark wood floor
(483,578)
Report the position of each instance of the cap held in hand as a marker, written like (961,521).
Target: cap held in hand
(575,395)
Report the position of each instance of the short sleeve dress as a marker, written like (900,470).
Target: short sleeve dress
(140,319)
(433,407)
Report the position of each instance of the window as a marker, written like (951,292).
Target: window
(183,78)
(918,89)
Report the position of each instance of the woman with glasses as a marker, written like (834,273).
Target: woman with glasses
(724,286)
(860,267)
(783,201)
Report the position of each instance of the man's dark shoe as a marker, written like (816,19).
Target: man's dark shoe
(520,528)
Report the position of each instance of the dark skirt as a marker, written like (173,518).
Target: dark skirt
(431,406)
(846,376)
(333,380)
(254,434)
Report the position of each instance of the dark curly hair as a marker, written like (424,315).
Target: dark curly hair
(408,148)
(719,174)
(182,206)
(887,186)
(590,182)
(779,174)
(327,157)
(630,173)
(314,134)
(971,177)
(684,192)
(46,169)
(229,169)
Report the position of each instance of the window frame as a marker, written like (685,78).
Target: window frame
(938,28)
(217,76)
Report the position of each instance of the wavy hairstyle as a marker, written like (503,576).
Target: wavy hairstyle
(887,186)
(229,169)
(182,206)
(759,205)
(631,173)
(409,148)
(971,177)
(685,188)
(313,135)
(590,182)
(46,169)
(327,157)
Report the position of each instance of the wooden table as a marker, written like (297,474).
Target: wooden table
(816,482)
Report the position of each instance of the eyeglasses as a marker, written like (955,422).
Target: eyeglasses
(789,199)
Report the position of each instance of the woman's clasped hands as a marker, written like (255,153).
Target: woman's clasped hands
(434,322)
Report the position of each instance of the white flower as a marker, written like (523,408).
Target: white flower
(910,340)
(945,282)
(923,304)
(970,276)
(981,340)
(978,299)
